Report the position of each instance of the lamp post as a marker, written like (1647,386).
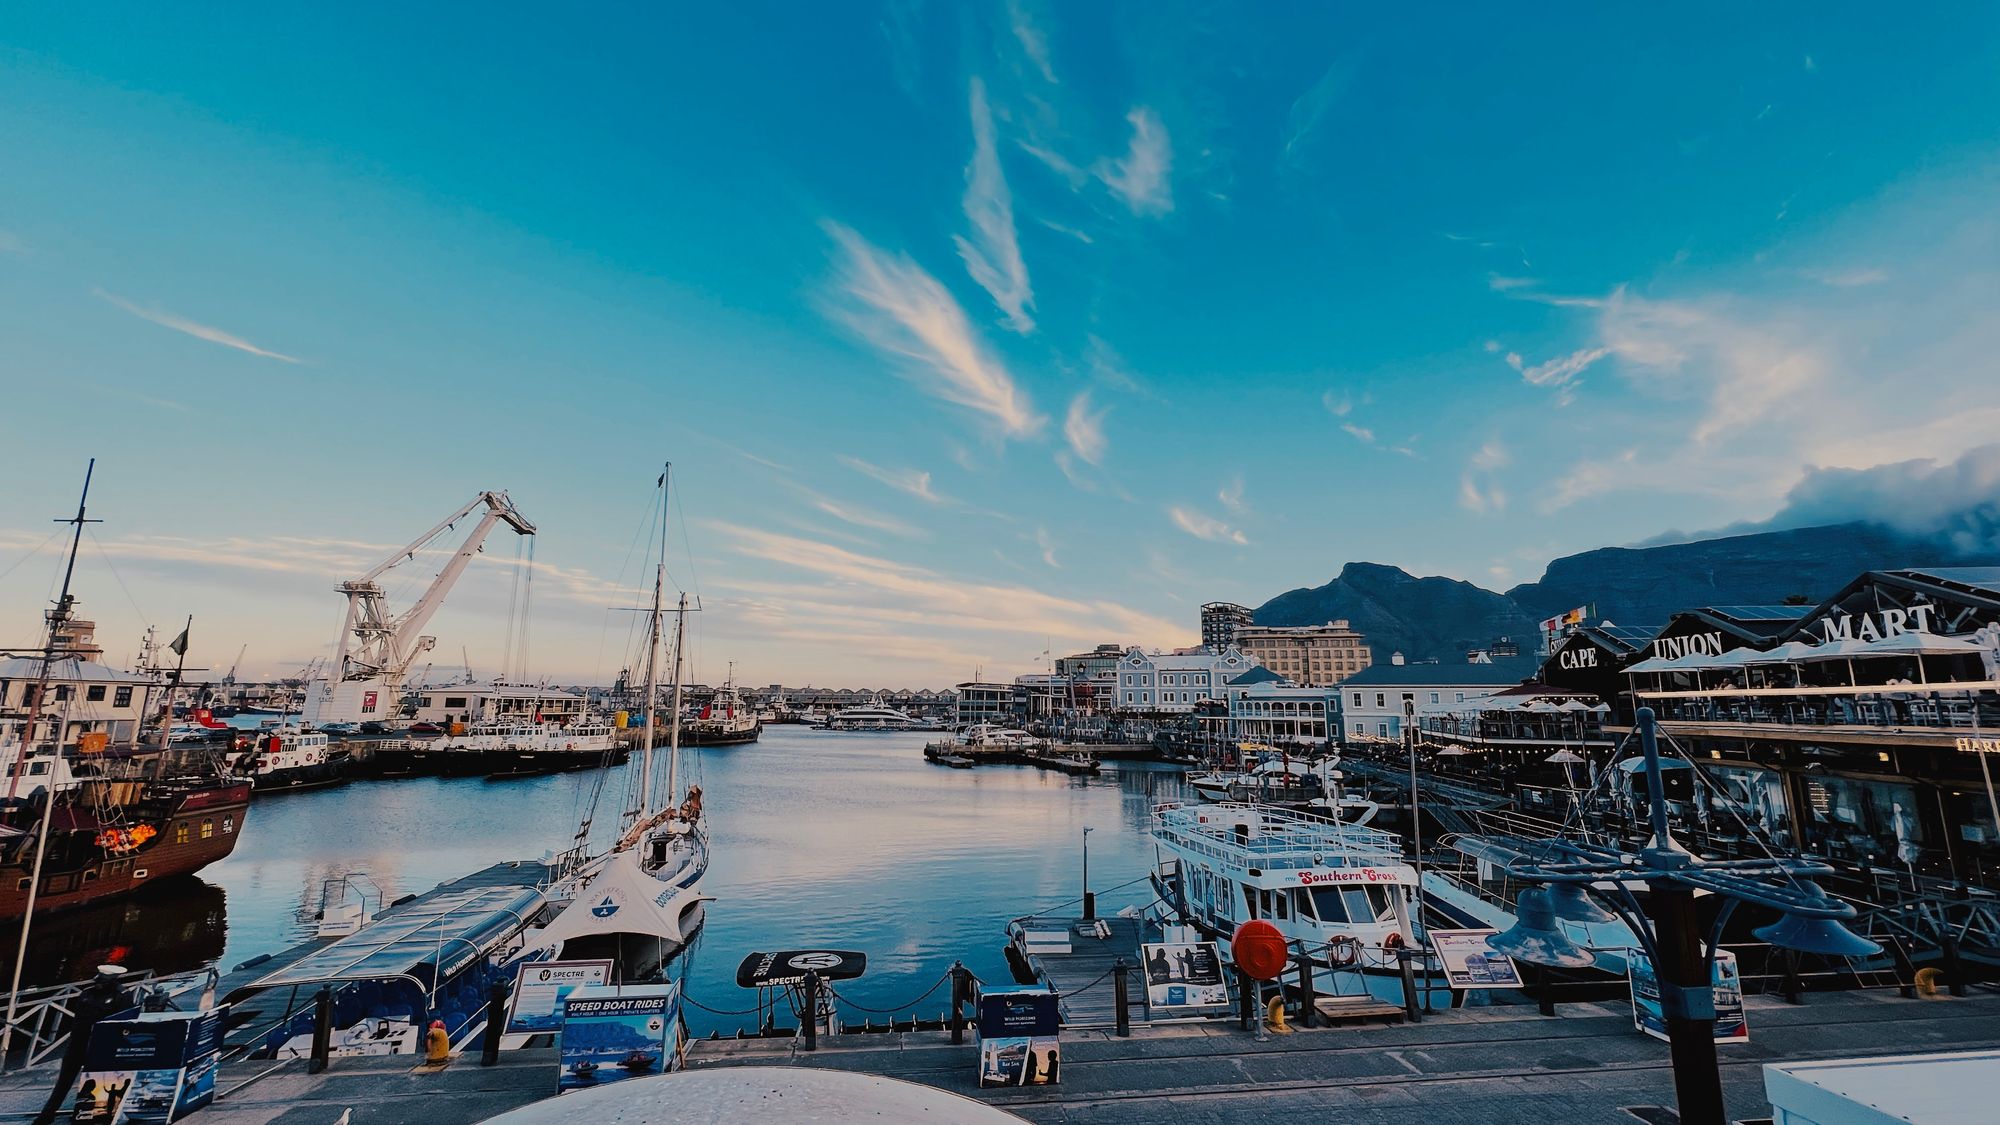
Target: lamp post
(1416,810)
(1668,934)
(1089,905)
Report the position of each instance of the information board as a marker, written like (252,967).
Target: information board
(539,989)
(1020,1040)
(1184,978)
(1648,1015)
(610,1034)
(1469,962)
(149,1067)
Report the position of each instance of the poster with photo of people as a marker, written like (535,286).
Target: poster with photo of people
(1184,978)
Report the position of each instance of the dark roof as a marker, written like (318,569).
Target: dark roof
(1620,638)
(1749,624)
(1503,671)
(1258,674)
(1979,580)
(1747,613)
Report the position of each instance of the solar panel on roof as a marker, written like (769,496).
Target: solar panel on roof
(1985,577)
(1761,612)
(442,933)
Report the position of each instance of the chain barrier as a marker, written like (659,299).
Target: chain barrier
(719,1011)
(898,1008)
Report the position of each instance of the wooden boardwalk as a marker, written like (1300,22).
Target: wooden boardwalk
(1081,974)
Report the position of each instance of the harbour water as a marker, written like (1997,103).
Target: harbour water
(848,841)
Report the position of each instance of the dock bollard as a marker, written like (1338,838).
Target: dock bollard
(1409,986)
(1954,972)
(1308,1001)
(1545,991)
(958,991)
(809,1016)
(1121,997)
(322,1044)
(496,1023)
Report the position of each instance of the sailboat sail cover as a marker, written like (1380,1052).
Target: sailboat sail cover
(621,898)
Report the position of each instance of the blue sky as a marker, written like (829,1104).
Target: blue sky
(971,329)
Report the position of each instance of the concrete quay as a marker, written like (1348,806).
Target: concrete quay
(1479,1066)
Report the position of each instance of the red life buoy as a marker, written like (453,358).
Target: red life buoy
(1393,941)
(1343,950)
(1259,949)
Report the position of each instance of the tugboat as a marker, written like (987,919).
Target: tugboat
(723,721)
(290,758)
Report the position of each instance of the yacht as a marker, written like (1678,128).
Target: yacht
(1268,778)
(872,716)
(291,758)
(1340,890)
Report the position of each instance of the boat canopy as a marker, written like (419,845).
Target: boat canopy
(423,942)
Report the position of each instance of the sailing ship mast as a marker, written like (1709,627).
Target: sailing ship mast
(653,661)
(674,753)
(58,617)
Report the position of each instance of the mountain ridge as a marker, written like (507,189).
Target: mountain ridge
(1441,618)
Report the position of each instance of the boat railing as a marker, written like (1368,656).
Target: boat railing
(1281,839)
(41,1026)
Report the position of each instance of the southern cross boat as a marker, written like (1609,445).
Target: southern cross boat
(1341,892)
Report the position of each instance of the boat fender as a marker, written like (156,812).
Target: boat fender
(1343,951)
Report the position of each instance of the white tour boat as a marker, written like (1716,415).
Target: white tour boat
(1341,892)
(291,758)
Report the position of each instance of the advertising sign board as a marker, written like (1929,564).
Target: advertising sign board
(1019,1038)
(1731,1025)
(611,1034)
(149,1067)
(541,986)
(1184,979)
(1470,963)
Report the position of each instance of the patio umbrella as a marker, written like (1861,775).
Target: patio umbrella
(1844,649)
(1565,758)
(1918,646)
(1542,706)
(1573,705)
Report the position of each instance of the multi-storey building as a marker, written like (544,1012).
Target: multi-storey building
(1220,622)
(1309,655)
(1374,700)
(978,702)
(1173,683)
(1268,708)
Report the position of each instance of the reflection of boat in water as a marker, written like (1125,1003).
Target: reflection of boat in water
(169,926)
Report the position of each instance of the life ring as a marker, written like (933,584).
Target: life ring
(1343,951)
(569,745)
(1393,941)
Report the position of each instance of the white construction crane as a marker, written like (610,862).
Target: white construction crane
(376,647)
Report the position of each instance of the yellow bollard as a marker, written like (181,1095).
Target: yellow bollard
(1275,1012)
(1928,981)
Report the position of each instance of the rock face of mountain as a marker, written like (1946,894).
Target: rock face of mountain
(1397,612)
(1441,618)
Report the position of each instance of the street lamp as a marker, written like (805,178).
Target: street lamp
(1566,870)
(1089,904)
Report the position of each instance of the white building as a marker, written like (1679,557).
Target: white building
(1266,707)
(1372,700)
(1172,683)
(87,707)
(473,703)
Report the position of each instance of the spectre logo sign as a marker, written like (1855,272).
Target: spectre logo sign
(814,961)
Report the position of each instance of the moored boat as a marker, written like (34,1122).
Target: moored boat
(290,758)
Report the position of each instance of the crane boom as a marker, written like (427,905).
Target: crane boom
(376,646)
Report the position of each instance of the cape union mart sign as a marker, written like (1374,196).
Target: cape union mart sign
(1979,745)
(1703,644)
(1865,627)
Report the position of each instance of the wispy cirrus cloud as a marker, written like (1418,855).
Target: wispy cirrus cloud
(916,482)
(1083,428)
(199,331)
(1201,525)
(993,254)
(1558,374)
(1047,543)
(1141,177)
(1338,404)
(924,598)
(1477,490)
(1231,495)
(904,311)
(1034,44)
(1362,434)
(861,517)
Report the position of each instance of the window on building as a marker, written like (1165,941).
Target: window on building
(1461,697)
(1434,697)
(1381,700)
(454,701)
(62,692)
(94,694)
(1357,699)
(1382,729)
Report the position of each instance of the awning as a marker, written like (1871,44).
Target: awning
(1785,653)
(1919,644)
(1843,649)
(1686,663)
(1638,764)
(423,941)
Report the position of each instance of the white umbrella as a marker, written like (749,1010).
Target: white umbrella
(1543,706)
(1573,705)
(1784,653)
(1918,644)
(1846,649)
(1565,758)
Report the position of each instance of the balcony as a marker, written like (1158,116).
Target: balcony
(1901,714)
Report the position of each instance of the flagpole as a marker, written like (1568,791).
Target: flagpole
(180,647)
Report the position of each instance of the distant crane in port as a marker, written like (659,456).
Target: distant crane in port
(229,677)
(376,646)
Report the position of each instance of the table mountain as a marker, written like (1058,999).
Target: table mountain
(1440,618)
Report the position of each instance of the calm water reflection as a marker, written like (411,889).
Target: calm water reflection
(846,840)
